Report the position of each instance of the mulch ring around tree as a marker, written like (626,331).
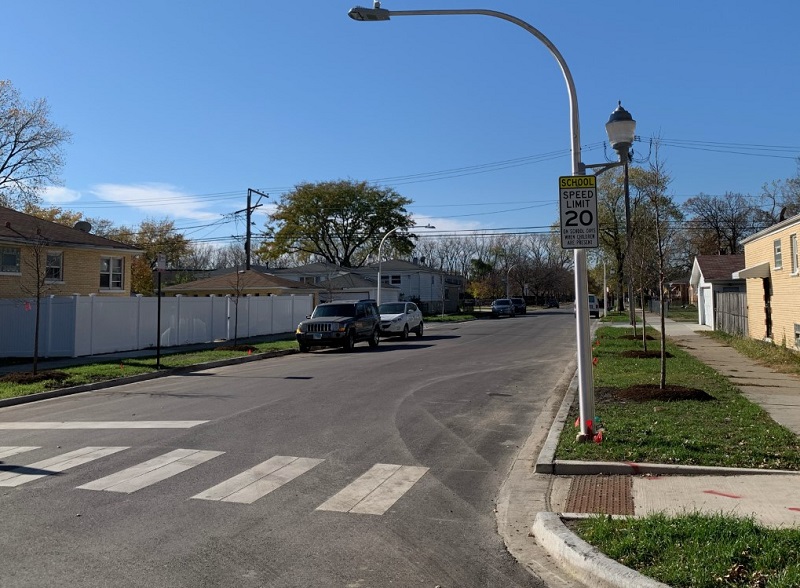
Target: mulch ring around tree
(642,354)
(31,378)
(645,392)
(636,337)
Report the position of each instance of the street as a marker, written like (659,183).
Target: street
(370,468)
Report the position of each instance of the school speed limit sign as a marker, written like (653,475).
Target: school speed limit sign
(577,197)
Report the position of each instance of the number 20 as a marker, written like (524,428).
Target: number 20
(573,219)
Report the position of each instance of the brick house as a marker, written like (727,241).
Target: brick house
(772,271)
(67,260)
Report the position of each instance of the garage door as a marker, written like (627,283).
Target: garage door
(707,301)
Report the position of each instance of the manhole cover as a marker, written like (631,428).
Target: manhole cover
(601,495)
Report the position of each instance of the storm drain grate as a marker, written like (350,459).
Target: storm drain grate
(601,495)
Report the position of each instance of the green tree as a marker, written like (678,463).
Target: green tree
(341,222)
(153,237)
(30,147)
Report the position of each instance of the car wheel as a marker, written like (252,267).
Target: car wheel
(404,334)
(375,339)
(304,348)
(349,341)
(420,329)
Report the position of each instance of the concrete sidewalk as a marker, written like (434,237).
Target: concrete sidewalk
(580,489)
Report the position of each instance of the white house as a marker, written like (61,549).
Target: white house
(712,274)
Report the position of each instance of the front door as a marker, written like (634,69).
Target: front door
(768,307)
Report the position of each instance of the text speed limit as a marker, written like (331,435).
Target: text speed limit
(578,207)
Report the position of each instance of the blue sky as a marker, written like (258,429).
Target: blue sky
(178,107)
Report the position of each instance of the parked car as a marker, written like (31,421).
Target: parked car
(519,305)
(552,303)
(594,307)
(342,323)
(400,319)
(502,307)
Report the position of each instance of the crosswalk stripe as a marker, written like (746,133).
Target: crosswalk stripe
(57,425)
(8,451)
(375,491)
(152,471)
(59,463)
(260,480)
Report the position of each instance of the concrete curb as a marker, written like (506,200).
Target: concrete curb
(585,562)
(141,377)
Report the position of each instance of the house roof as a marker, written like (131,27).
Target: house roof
(21,228)
(400,265)
(716,267)
(794,220)
(348,281)
(248,280)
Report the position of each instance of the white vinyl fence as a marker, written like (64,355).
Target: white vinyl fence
(73,326)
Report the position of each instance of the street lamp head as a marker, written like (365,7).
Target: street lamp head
(376,13)
(621,130)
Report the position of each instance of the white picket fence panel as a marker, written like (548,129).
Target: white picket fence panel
(74,326)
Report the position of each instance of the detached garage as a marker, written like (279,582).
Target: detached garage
(713,274)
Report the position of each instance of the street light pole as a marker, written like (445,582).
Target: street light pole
(380,257)
(508,279)
(584,349)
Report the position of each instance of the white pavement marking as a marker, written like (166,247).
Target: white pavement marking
(152,471)
(260,480)
(8,451)
(375,491)
(59,463)
(50,425)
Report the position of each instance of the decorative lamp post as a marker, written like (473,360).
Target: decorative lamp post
(621,130)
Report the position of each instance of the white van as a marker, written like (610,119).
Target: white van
(594,307)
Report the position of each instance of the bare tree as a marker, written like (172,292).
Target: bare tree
(30,147)
(38,283)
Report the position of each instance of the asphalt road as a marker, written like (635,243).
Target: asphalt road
(372,468)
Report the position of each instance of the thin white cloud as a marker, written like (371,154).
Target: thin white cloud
(446,224)
(156,199)
(60,195)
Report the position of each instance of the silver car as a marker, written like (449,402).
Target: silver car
(398,319)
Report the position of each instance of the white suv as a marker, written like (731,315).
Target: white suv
(400,318)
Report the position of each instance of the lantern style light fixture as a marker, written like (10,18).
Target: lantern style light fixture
(621,130)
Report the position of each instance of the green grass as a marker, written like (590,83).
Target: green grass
(699,551)
(777,357)
(450,318)
(728,431)
(99,372)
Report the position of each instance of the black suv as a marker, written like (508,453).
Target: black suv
(340,324)
(519,305)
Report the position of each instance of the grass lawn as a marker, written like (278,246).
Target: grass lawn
(699,551)
(691,550)
(726,430)
(10,385)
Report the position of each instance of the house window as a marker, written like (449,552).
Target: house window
(793,254)
(776,245)
(111,273)
(394,280)
(9,260)
(55,266)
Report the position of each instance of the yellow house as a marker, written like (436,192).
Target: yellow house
(42,258)
(772,269)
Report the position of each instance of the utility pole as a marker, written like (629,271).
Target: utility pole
(249,212)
